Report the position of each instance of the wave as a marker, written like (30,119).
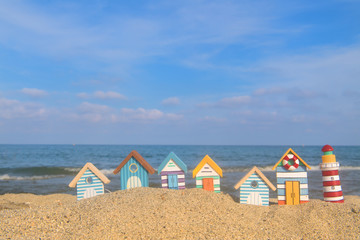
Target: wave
(39,171)
(107,172)
(7,177)
(43,173)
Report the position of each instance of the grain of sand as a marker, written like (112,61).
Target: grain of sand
(152,213)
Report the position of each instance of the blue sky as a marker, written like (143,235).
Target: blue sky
(180,72)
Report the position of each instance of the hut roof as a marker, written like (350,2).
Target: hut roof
(92,168)
(139,158)
(176,159)
(293,152)
(261,175)
(209,161)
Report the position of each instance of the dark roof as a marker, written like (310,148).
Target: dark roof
(139,158)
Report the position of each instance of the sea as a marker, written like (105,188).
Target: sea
(48,169)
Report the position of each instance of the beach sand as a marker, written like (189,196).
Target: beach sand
(154,213)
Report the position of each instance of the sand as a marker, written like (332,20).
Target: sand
(153,213)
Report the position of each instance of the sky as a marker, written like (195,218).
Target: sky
(180,72)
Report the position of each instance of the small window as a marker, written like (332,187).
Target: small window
(254,184)
(89,180)
(332,178)
(133,167)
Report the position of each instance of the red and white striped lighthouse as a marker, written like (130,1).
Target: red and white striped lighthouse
(331,180)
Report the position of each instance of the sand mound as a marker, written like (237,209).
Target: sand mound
(153,213)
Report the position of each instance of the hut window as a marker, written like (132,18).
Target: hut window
(133,168)
(89,180)
(254,184)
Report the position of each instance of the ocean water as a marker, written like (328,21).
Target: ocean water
(47,169)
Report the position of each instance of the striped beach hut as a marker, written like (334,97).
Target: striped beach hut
(172,171)
(89,182)
(254,188)
(207,174)
(134,171)
(292,180)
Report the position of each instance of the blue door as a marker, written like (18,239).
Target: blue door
(173,181)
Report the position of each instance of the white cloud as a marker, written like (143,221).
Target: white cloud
(228,102)
(171,101)
(94,108)
(108,95)
(148,114)
(213,119)
(102,95)
(14,109)
(34,92)
(83,95)
(237,100)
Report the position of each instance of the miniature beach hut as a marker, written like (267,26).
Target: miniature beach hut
(254,188)
(207,174)
(89,182)
(134,171)
(292,181)
(172,171)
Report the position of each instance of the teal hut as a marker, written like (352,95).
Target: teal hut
(254,188)
(134,171)
(172,171)
(89,182)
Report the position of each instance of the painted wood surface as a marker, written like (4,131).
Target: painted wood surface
(254,188)
(292,185)
(134,171)
(208,184)
(87,188)
(172,171)
(133,175)
(330,174)
(292,193)
(207,174)
(89,182)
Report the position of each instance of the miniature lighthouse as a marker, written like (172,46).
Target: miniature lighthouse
(331,179)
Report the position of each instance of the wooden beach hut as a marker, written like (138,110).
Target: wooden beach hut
(254,188)
(207,174)
(292,180)
(134,171)
(89,182)
(172,171)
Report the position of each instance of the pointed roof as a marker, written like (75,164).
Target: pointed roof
(176,159)
(92,168)
(139,158)
(209,161)
(293,152)
(261,175)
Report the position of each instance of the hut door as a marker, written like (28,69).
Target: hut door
(173,181)
(133,182)
(254,198)
(90,192)
(208,184)
(292,191)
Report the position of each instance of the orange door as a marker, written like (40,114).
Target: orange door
(208,184)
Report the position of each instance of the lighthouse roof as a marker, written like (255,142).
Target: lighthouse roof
(327,148)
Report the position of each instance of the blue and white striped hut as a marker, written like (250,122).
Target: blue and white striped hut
(89,182)
(134,171)
(254,188)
